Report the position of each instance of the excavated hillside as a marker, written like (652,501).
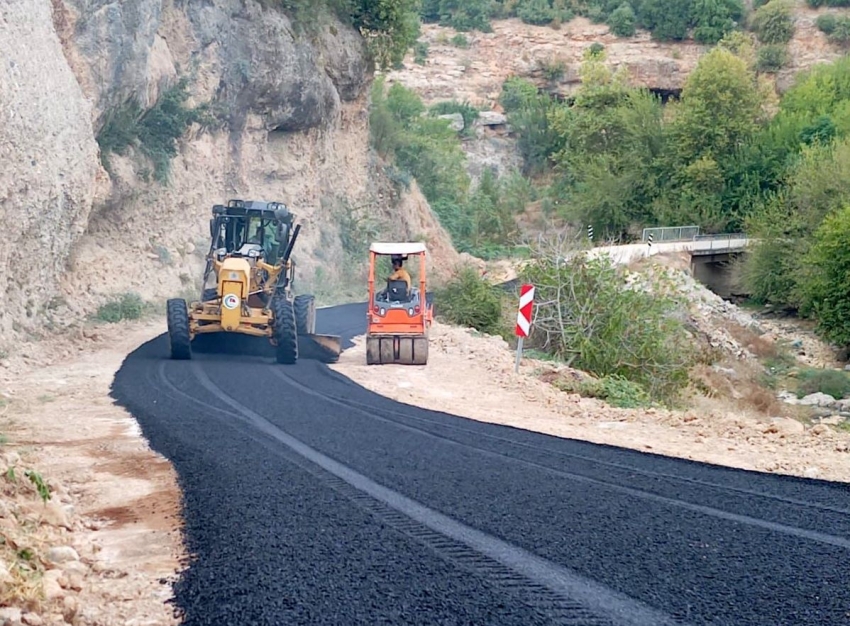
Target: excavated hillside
(289,122)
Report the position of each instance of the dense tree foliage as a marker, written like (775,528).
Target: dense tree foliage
(422,146)
(620,160)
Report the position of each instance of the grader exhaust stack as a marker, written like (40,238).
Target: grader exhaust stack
(248,287)
(400,315)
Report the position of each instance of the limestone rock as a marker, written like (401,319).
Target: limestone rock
(62,554)
(456,122)
(785,426)
(818,399)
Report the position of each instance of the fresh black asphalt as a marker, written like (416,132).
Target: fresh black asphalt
(310,500)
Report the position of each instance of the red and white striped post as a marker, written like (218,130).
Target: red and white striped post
(523,318)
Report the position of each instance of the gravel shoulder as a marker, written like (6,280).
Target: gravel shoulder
(99,546)
(472,375)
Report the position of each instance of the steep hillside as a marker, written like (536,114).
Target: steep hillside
(95,203)
(472,66)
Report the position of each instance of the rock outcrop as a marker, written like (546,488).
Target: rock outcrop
(291,124)
(48,161)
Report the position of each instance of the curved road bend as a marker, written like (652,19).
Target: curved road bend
(310,500)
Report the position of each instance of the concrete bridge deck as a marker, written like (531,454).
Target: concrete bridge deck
(699,246)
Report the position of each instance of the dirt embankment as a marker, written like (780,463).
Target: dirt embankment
(472,375)
(95,552)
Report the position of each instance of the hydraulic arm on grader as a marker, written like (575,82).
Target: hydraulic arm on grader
(248,286)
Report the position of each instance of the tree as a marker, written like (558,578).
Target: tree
(720,110)
(622,20)
(390,28)
(608,141)
(714,19)
(774,22)
(826,285)
(668,20)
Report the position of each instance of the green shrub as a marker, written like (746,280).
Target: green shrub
(834,383)
(469,300)
(622,21)
(537,12)
(589,316)
(420,52)
(774,22)
(826,23)
(615,390)
(460,41)
(516,93)
(771,57)
(841,33)
(156,131)
(128,306)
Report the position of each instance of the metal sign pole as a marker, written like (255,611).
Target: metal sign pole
(518,353)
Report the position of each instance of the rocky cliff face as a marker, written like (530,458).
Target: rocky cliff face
(552,58)
(48,161)
(291,125)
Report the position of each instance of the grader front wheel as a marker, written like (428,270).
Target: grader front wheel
(177,314)
(285,332)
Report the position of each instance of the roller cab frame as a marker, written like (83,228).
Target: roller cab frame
(398,321)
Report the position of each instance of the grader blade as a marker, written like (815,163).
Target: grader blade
(324,348)
(397,349)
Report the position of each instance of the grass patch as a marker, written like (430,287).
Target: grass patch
(127,306)
(615,390)
(834,383)
(20,546)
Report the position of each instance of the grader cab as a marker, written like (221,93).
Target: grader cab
(247,286)
(399,317)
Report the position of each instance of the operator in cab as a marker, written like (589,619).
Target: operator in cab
(399,273)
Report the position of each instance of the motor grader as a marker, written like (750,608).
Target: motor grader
(247,286)
(398,318)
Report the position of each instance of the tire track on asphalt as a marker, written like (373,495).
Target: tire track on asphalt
(341,379)
(811,535)
(566,597)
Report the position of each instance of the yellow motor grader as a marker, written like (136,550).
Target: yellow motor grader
(247,286)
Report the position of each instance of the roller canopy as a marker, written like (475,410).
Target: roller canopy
(398,248)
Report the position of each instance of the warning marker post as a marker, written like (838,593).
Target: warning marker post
(523,319)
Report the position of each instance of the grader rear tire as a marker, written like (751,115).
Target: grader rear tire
(177,315)
(285,331)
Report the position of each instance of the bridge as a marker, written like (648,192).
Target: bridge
(711,248)
(710,254)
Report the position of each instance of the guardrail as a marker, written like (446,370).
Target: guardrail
(661,234)
(723,241)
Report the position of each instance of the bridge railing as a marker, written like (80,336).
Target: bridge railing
(670,233)
(722,241)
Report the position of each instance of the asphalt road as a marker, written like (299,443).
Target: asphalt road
(309,500)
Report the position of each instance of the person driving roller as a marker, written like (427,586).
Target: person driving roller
(399,273)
